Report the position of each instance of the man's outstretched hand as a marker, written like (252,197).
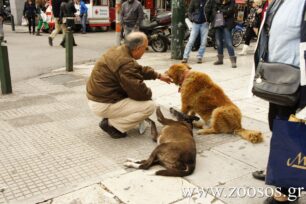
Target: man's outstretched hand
(165,78)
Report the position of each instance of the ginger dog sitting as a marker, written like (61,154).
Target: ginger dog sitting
(176,150)
(200,95)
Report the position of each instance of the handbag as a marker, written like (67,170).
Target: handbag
(24,21)
(287,159)
(219,20)
(277,83)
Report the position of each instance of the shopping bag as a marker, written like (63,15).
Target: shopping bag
(287,159)
(219,20)
(24,21)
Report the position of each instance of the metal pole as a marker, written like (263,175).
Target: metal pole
(12,23)
(5,76)
(118,22)
(69,50)
(178,29)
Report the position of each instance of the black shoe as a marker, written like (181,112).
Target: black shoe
(63,44)
(50,41)
(271,200)
(259,175)
(113,132)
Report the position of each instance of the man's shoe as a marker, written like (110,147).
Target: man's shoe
(185,60)
(50,41)
(113,132)
(259,175)
(271,200)
(199,61)
(142,127)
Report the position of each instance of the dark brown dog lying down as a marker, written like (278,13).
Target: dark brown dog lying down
(176,150)
(200,95)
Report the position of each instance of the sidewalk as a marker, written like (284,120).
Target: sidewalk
(52,149)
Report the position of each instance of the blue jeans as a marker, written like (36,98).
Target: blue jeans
(196,29)
(83,22)
(224,35)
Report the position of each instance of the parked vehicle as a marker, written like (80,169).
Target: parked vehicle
(157,30)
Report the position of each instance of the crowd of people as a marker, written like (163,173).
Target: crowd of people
(64,12)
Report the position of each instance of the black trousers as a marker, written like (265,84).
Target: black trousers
(31,21)
(281,112)
(249,34)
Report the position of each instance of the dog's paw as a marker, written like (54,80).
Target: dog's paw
(255,138)
(198,124)
(206,131)
(133,160)
(131,165)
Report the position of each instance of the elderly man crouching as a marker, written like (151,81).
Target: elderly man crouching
(116,90)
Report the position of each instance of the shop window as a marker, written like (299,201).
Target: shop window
(100,2)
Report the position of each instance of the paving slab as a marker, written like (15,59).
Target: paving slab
(94,194)
(214,168)
(255,155)
(141,187)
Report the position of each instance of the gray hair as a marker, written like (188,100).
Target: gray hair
(135,40)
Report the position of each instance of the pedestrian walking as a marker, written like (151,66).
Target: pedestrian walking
(83,15)
(67,11)
(29,12)
(252,24)
(220,13)
(42,18)
(131,16)
(200,27)
(116,90)
(280,41)
(56,5)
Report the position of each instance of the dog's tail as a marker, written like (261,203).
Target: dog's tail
(176,172)
(250,135)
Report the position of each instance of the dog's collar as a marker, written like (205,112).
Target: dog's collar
(180,84)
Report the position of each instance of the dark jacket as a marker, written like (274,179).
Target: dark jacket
(227,7)
(56,5)
(195,12)
(131,14)
(67,12)
(116,76)
(261,53)
(29,10)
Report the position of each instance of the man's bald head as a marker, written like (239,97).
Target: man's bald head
(135,40)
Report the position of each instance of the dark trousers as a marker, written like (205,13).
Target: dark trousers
(31,21)
(281,112)
(249,34)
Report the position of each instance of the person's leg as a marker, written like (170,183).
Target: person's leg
(84,18)
(64,29)
(195,30)
(39,25)
(125,114)
(56,30)
(229,45)
(247,38)
(219,43)
(33,25)
(127,30)
(204,33)
(29,24)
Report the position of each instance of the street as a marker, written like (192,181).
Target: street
(53,151)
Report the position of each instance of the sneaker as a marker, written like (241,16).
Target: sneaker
(142,127)
(113,132)
(50,41)
(184,60)
(199,61)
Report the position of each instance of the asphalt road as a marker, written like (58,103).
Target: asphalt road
(30,56)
